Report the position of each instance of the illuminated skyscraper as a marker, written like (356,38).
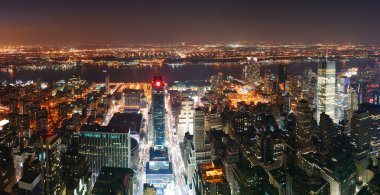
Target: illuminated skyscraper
(361,140)
(326,89)
(7,170)
(158,111)
(282,75)
(343,87)
(360,134)
(50,158)
(251,72)
(107,82)
(199,129)
(159,170)
(185,118)
(105,146)
(304,124)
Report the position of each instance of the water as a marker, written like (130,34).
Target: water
(143,74)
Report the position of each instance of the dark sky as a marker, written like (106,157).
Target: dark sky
(144,21)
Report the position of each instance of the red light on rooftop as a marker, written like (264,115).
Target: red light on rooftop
(158,83)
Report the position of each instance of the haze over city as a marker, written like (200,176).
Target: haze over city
(151,21)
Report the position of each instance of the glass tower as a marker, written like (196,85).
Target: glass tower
(158,111)
(326,89)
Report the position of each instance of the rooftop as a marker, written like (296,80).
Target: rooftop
(211,172)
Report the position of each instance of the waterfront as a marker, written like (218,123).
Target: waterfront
(172,73)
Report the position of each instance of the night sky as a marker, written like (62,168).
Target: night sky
(162,21)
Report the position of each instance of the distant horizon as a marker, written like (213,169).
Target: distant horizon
(189,43)
(149,21)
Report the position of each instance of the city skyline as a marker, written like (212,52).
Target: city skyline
(214,97)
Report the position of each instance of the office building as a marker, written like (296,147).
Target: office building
(209,179)
(105,146)
(114,181)
(361,134)
(159,170)
(7,170)
(304,124)
(342,93)
(199,129)
(326,89)
(185,118)
(282,76)
(327,130)
(158,111)
(133,98)
(248,179)
(76,173)
(50,157)
(251,72)
(31,183)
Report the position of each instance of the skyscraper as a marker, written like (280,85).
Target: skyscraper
(251,72)
(158,111)
(159,169)
(185,118)
(107,82)
(282,75)
(304,124)
(7,170)
(199,129)
(326,89)
(343,90)
(360,134)
(326,130)
(105,146)
(361,140)
(51,164)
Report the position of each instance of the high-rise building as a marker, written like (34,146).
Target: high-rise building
(107,82)
(282,76)
(185,118)
(326,130)
(304,124)
(76,173)
(114,181)
(158,111)
(360,134)
(342,93)
(201,150)
(251,72)
(105,146)
(159,170)
(30,183)
(133,97)
(7,170)
(199,129)
(326,89)
(249,179)
(20,124)
(50,158)
(42,121)
(209,179)
(217,86)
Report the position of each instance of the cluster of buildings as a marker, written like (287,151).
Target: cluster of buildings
(315,133)
(70,137)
